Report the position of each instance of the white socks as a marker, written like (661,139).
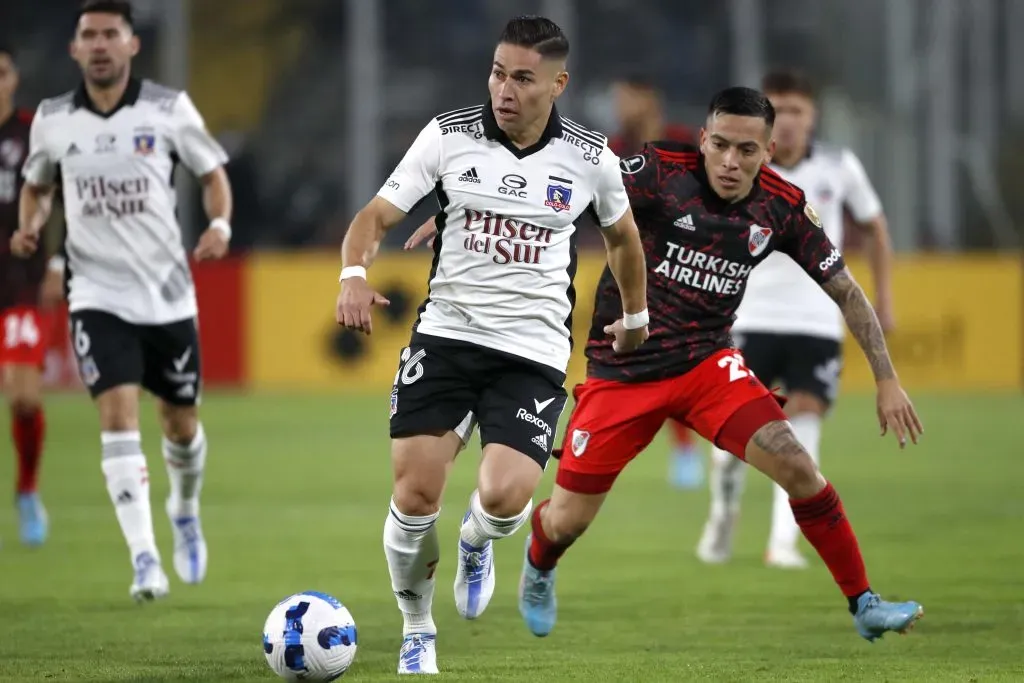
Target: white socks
(412,551)
(481,527)
(785,531)
(726,480)
(124,467)
(185,470)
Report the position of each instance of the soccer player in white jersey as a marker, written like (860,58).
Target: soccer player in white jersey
(789,330)
(492,340)
(131,295)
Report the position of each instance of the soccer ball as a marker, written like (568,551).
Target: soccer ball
(309,637)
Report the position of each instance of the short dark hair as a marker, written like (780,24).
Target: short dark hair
(122,8)
(8,49)
(740,101)
(638,81)
(788,81)
(537,33)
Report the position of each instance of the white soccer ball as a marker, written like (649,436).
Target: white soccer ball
(309,637)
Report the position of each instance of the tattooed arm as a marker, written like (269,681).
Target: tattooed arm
(862,321)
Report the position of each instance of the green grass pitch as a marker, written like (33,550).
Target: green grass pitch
(295,499)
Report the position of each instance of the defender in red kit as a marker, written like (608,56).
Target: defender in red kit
(23,324)
(707,217)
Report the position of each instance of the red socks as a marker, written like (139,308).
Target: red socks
(544,554)
(28,430)
(823,523)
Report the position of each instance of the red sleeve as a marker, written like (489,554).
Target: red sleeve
(640,175)
(25,116)
(806,243)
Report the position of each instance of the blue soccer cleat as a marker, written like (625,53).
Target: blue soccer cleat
(33,524)
(875,616)
(537,601)
(418,655)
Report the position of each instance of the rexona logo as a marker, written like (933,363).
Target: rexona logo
(831,260)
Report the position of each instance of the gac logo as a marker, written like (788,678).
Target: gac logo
(830,261)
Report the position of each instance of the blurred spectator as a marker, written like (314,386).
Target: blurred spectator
(641,117)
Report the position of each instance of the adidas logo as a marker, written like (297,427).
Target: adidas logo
(125,497)
(470,176)
(187,391)
(408,595)
(541,440)
(72,150)
(686,223)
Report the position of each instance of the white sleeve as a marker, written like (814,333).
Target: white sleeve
(610,199)
(861,198)
(196,148)
(418,171)
(40,166)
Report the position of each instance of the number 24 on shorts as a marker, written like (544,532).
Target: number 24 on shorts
(20,330)
(737,368)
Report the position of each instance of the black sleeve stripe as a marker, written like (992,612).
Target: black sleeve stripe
(457,115)
(579,131)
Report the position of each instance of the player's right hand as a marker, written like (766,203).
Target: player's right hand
(24,243)
(427,232)
(354,304)
(626,340)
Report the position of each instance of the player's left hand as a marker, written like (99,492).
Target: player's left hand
(425,232)
(213,244)
(896,412)
(626,340)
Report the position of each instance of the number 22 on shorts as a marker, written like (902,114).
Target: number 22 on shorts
(737,369)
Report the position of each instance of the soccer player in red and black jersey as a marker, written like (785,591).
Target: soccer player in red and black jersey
(707,217)
(23,325)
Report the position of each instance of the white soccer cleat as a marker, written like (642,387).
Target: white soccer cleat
(785,558)
(189,547)
(715,546)
(474,579)
(418,654)
(150,581)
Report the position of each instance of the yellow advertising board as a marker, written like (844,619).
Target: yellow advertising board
(959,322)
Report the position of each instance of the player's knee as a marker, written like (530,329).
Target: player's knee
(506,497)
(803,403)
(180,424)
(775,450)
(414,499)
(563,524)
(798,475)
(24,404)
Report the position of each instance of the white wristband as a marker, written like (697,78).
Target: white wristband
(56,263)
(222,225)
(352,271)
(634,321)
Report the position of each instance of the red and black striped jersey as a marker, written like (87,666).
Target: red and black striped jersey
(700,250)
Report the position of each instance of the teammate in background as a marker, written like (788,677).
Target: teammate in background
(739,212)
(492,340)
(789,330)
(131,295)
(641,115)
(23,329)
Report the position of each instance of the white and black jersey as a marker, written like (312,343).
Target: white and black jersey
(124,245)
(505,255)
(780,297)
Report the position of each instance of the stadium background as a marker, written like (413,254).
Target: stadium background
(316,100)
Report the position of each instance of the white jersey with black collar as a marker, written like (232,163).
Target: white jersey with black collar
(124,246)
(505,255)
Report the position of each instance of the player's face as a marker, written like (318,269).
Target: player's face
(735,148)
(104,45)
(794,119)
(523,86)
(8,78)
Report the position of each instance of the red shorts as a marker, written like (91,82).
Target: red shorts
(23,336)
(613,421)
